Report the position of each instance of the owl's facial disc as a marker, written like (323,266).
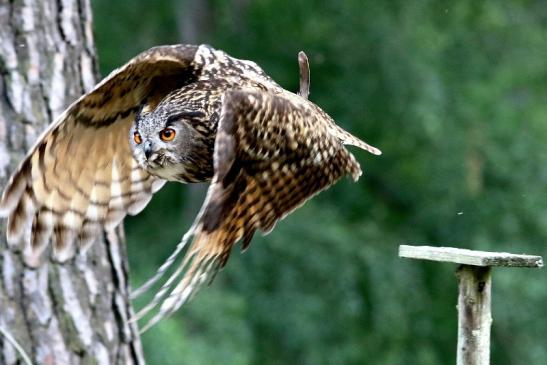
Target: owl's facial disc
(159,141)
(146,143)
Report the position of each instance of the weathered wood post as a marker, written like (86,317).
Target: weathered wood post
(474,298)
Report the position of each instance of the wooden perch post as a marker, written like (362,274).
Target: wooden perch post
(474,299)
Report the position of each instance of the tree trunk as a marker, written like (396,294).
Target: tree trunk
(76,312)
(194,20)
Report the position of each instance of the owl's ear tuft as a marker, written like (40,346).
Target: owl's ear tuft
(186,115)
(143,110)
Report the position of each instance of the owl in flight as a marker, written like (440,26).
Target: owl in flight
(177,113)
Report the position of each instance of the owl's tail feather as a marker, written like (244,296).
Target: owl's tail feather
(347,138)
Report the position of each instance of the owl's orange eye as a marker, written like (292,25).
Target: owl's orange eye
(137,138)
(167,134)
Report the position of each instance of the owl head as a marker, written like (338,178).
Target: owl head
(162,139)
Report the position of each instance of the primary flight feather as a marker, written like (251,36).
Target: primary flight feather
(178,113)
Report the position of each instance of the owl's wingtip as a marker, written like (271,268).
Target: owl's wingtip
(4,211)
(8,202)
(14,190)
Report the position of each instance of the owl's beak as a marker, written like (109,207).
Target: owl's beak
(147,149)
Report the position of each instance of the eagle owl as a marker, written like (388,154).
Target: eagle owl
(176,113)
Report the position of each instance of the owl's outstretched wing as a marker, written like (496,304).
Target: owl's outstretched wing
(80,175)
(272,153)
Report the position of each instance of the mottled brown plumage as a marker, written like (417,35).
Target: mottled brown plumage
(180,113)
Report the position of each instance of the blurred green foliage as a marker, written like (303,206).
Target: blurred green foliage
(454,93)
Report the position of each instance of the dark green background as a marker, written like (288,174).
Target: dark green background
(455,95)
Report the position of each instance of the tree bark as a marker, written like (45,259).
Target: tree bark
(76,312)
